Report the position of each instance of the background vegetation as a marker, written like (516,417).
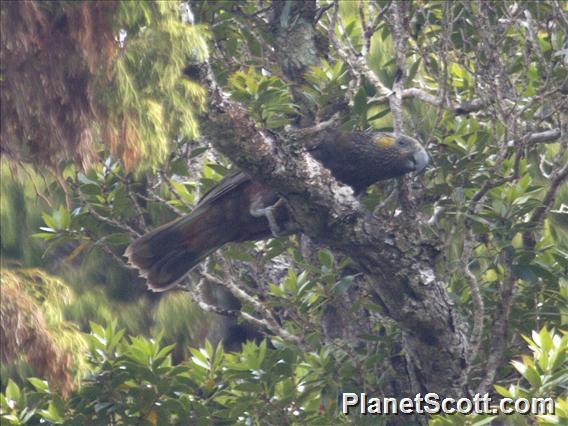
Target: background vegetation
(105,136)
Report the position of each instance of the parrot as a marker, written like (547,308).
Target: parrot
(239,208)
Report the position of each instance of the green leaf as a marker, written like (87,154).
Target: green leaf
(64,218)
(378,115)
(119,238)
(14,420)
(55,411)
(4,405)
(414,69)
(291,282)
(198,151)
(165,351)
(238,253)
(503,391)
(482,420)
(45,235)
(49,221)
(39,384)
(201,363)
(343,284)
(545,340)
(12,391)
(326,259)
(97,330)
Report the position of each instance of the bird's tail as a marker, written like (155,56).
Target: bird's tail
(165,255)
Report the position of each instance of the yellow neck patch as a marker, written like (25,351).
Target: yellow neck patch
(385,141)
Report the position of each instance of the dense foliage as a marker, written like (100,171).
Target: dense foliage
(135,382)
(95,165)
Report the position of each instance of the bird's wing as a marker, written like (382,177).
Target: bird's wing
(229,183)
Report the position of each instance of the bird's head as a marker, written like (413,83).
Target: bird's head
(404,153)
(360,159)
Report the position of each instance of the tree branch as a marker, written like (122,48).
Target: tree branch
(500,331)
(556,179)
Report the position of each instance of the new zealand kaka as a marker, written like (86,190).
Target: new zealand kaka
(241,209)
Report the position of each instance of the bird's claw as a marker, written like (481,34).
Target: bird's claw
(268,212)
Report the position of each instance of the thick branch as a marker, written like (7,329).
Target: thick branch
(547,136)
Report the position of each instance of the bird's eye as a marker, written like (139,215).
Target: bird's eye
(401,142)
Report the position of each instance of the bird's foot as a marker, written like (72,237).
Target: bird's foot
(268,212)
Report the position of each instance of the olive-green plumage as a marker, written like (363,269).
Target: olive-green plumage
(229,212)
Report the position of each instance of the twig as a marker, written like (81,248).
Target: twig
(477,300)
(381,206)
(321,11)
(400,37)
(63,185)
(104,247)
(499,335)
(538,215)
(365,27)
(465,107)
(473,105)
(485,188)
(197,296)
(102,218)
(126,182)
(356,64)
(268,51)
(155,197)
(268,323)
(300,133)
(547,136)
(36,189)
(263,324)
(259,12)
(171,188)
(560,12)
(369,30)
(139,211)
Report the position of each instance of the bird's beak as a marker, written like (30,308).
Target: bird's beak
(421,160)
